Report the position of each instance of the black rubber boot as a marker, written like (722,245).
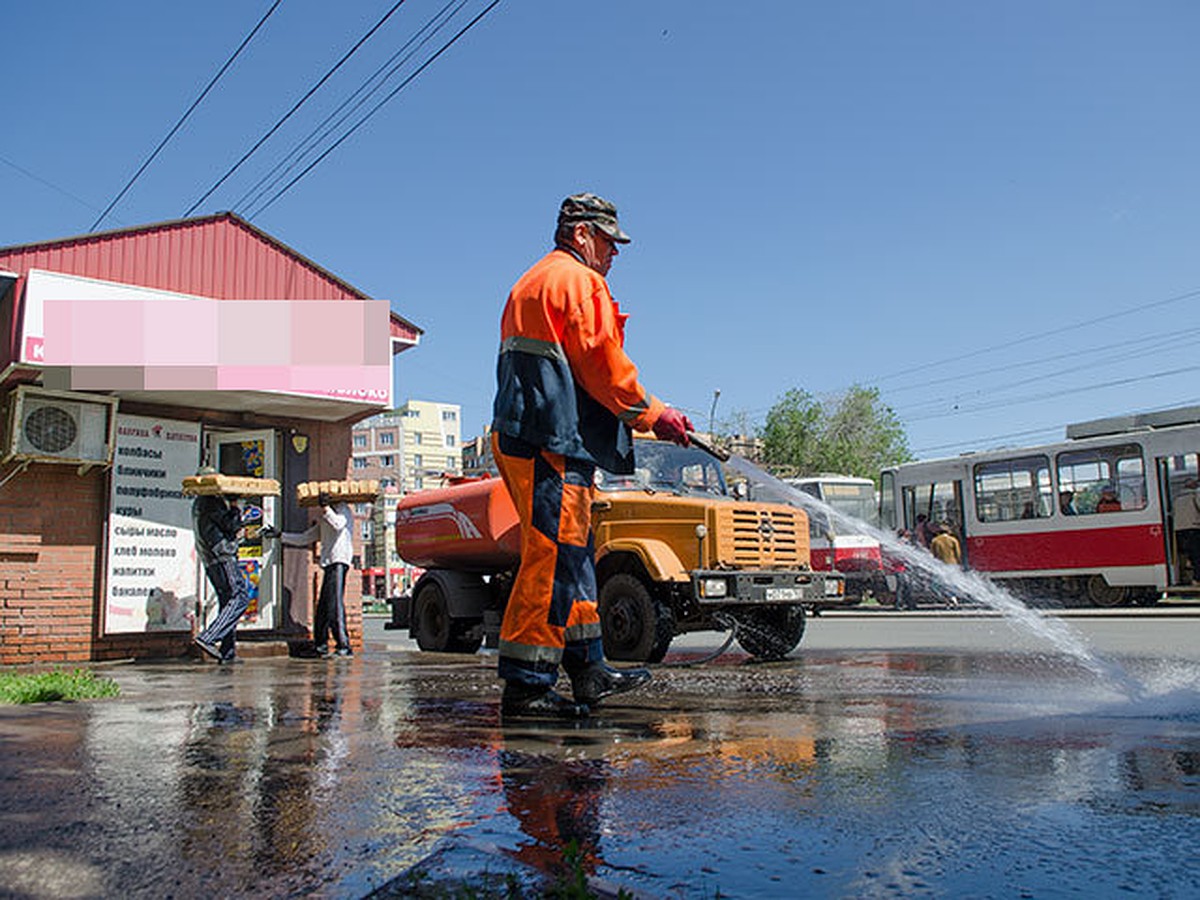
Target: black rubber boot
(525,702)
(598,680)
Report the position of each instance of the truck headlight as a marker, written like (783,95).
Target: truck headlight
(834,587)
(714,587)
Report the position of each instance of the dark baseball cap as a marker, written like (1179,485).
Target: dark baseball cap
(597,210)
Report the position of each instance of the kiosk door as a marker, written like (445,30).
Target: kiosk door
(254,454)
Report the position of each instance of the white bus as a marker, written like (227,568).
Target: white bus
(837,545)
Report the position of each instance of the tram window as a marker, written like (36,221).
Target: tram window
(1104,479)
(1008,489)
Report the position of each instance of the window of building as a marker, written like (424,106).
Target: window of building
(449,415)
(360,509)
(387,460)
(451,463)
(387,482)
(1101,479)
(450,442)
(366,529)
(418,482)
(416,460)
(360,441)
(360,462)
(1007,489)
(387,438)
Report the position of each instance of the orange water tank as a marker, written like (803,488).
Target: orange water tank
(470,526)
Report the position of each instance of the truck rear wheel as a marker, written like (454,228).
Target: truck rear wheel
(636,627)
(770,632)
(434,628)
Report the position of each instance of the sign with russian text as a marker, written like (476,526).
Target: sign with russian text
(94,335)
(151,566)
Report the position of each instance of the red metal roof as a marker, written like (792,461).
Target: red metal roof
(221,256)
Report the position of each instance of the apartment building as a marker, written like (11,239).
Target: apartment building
(406,449)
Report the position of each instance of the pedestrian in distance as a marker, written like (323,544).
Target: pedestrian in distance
(566,402)
(924,531)
(946,548)
(334,529)
(217,528)
(896,568)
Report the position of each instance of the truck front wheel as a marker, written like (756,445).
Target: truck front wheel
(770,632)
(433,627)
(636,627)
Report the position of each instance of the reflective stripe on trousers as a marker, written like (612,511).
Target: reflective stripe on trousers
(551,615)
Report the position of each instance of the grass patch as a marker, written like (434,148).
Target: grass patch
(57,684)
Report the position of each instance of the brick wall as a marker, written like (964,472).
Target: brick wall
(51,532)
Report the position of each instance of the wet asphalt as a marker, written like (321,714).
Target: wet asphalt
(938,755)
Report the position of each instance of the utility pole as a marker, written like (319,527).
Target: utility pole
(712,413)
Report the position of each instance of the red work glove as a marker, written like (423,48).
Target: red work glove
(673,426)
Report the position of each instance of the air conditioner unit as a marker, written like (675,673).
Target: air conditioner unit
(60,426)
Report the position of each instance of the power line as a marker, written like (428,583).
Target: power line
(1042,334)
(1181,338)
(1033,398)
(268,181)
(978,442)
(262,140)
(990,440)
(54,187)
(1167,337)
(446,46)
(183,118)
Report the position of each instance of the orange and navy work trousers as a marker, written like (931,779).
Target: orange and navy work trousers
(551,617)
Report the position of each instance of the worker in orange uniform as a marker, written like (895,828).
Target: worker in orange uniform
(567,400)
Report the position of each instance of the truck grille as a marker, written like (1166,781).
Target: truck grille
(750,536)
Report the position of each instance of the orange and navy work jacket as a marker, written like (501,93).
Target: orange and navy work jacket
(564,382)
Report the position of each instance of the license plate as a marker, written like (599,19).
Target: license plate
(787,593)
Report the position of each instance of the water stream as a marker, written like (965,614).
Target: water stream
(961,583)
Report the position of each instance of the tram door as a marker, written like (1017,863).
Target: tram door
(1177,479)
(940,501)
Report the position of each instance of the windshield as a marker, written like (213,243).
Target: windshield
(660,466)
(854,500)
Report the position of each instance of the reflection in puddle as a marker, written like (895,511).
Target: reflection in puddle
(843,774)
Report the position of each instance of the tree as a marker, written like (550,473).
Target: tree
(852,434)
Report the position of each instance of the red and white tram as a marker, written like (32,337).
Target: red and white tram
(1088,519)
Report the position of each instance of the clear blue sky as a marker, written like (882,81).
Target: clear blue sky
(896,194)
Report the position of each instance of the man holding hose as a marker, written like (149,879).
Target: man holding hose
(567,401)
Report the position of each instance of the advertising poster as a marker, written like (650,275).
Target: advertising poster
(151,565)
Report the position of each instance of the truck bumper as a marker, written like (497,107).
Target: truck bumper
(759,588)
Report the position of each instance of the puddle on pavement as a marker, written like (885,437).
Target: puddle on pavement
(847,774)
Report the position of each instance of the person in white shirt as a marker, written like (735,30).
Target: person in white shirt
(333,529)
